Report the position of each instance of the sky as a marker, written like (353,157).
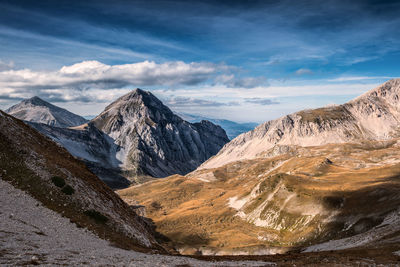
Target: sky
(238,60)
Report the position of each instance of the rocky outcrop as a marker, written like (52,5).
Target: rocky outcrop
(374,115)
(37,110)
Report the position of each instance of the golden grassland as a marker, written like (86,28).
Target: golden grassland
(313,195)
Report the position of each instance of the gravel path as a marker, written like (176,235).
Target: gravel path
(33,234)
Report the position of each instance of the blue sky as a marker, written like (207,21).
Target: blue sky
(240,60)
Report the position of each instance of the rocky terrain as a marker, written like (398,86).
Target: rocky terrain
(136,138)
(31,234)
(37,110)
(374,115)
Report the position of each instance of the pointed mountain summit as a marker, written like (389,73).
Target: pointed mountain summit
(374,115)
(153,140)
(37,110)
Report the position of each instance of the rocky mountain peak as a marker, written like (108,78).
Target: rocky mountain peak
(37,101)
(153,140)
(138,106)
(138,99)
(38,110)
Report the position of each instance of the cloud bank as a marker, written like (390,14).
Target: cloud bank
(75,82)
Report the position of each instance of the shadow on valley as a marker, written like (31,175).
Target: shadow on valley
(358,210)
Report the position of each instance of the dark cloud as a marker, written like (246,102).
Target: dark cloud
(7,97)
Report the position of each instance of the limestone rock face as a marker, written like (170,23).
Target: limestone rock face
(374,115)
(152,140)
(37,110)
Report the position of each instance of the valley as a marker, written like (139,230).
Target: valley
(282,203)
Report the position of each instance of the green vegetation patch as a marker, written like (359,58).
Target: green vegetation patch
(96,216)
(68,190)
(58,181)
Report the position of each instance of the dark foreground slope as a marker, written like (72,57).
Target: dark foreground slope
(37,165)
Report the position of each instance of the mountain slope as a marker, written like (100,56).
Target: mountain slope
(38,166)
(90,145)
(40,111)
(232,128)
(374,115)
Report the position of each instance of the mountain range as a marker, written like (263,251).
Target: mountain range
(55,212)
(306,184)
(316,180)
(136,137)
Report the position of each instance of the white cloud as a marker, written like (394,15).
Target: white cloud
(303,71)
(93,74)
(78,82)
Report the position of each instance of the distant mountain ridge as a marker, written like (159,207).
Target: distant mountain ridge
(374,115)
(138,136)
(37,110)
(233,129)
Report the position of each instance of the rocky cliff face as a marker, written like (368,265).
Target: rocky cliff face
(40,111)
(374,115)
(154,141)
